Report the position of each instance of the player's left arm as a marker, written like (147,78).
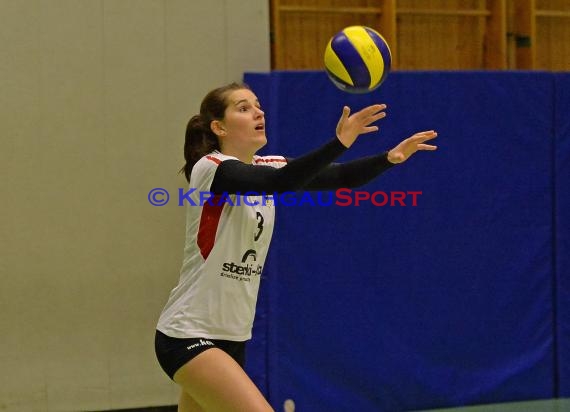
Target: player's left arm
(350,174)
(361,171)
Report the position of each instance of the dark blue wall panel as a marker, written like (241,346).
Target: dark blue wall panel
(446,303)
(562,220)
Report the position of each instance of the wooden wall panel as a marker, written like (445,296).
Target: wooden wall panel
(302,29)
(308,34)
(552,34)
(430,34)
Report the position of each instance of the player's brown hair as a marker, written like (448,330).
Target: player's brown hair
(200,139)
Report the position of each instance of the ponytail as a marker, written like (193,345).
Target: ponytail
(199,141)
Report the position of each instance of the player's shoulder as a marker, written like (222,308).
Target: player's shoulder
(272,160)
(213,159)
(205,168)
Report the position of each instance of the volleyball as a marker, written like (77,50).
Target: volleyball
(357,59)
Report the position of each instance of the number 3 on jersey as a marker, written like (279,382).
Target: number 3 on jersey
(259,218)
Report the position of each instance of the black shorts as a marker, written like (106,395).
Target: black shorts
(173,353)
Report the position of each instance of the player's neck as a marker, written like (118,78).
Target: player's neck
(243,156)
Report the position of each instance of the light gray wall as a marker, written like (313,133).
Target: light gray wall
(94,99)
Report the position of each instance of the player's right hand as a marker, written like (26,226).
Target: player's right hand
(349,126)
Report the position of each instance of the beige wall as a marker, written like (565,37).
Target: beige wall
(94,97)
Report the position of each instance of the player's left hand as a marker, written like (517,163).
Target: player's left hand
(411,145)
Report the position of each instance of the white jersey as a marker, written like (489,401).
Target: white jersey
(226,247)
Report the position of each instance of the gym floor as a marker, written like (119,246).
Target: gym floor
(553,405)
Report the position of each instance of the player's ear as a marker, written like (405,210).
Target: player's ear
(217,126)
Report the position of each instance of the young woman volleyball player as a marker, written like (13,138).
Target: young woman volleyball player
(202,330)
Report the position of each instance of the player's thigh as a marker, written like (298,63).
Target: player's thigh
(187,404)
(217,383)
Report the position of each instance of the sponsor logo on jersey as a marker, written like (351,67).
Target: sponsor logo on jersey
(248,253)
(242,271)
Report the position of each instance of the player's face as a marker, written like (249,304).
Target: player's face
(244,122)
